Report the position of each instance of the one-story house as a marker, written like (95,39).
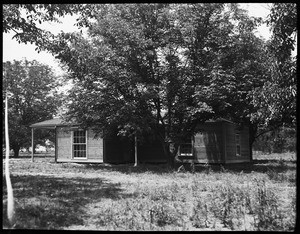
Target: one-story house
(216,141)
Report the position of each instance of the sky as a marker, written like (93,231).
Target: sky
(12,50)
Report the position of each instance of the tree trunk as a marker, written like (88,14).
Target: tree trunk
(250,151)
(170,153)
(16,150)
(252,136)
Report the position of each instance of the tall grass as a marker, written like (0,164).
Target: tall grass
(248,207)
(261,197)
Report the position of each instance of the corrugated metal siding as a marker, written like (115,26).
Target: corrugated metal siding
(94,146)
(63,143)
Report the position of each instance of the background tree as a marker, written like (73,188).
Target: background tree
(240,67)
(281,140)
(283,22)
(33,98)
(25,30)
(275,100)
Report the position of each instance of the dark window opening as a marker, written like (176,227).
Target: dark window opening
(238,144)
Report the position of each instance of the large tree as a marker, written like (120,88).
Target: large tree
(153,67)
(32,98)
(275,100)
(242,68)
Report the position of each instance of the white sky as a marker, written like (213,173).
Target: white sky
(12,50)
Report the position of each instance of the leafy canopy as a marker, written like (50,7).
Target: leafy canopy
(160,67)
(31,88)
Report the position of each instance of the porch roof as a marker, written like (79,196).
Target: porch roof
(50,124)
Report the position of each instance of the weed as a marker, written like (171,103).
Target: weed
(228,205)
(267,216)
(199,216)
(162,215)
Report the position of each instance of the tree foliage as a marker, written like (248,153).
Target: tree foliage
(162,68)
(281,140)
(283,23)
(32,98)
(275,100)
(24,21)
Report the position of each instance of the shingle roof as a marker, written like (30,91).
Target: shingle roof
(219,120)
(51,123)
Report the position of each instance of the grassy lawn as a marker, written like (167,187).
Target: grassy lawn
(258,196)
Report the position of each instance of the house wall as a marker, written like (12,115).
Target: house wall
(245,148)
(231,156)
(150,150)
(209,143)
(64,146)
(63,136)
(94,147)
(215,143)
(118,150)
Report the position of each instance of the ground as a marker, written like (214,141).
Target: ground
(49,195)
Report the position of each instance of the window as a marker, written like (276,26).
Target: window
(186,148)
(79,144)
(238,144)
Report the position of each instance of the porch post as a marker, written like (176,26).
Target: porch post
(55,149)
(32,145)
(135,151)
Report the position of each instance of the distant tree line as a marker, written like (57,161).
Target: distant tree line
(280,140)
(33,97)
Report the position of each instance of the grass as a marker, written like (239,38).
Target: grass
(258,196)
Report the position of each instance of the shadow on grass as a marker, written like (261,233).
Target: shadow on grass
(157,168)
(45,202)
(260,166)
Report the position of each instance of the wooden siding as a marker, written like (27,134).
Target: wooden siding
(94,147)
(231,155)
(150,151)
(63,143)
(208,144)
(215,143)
(230,142)
(118,150)
(245,149)
(64,147)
